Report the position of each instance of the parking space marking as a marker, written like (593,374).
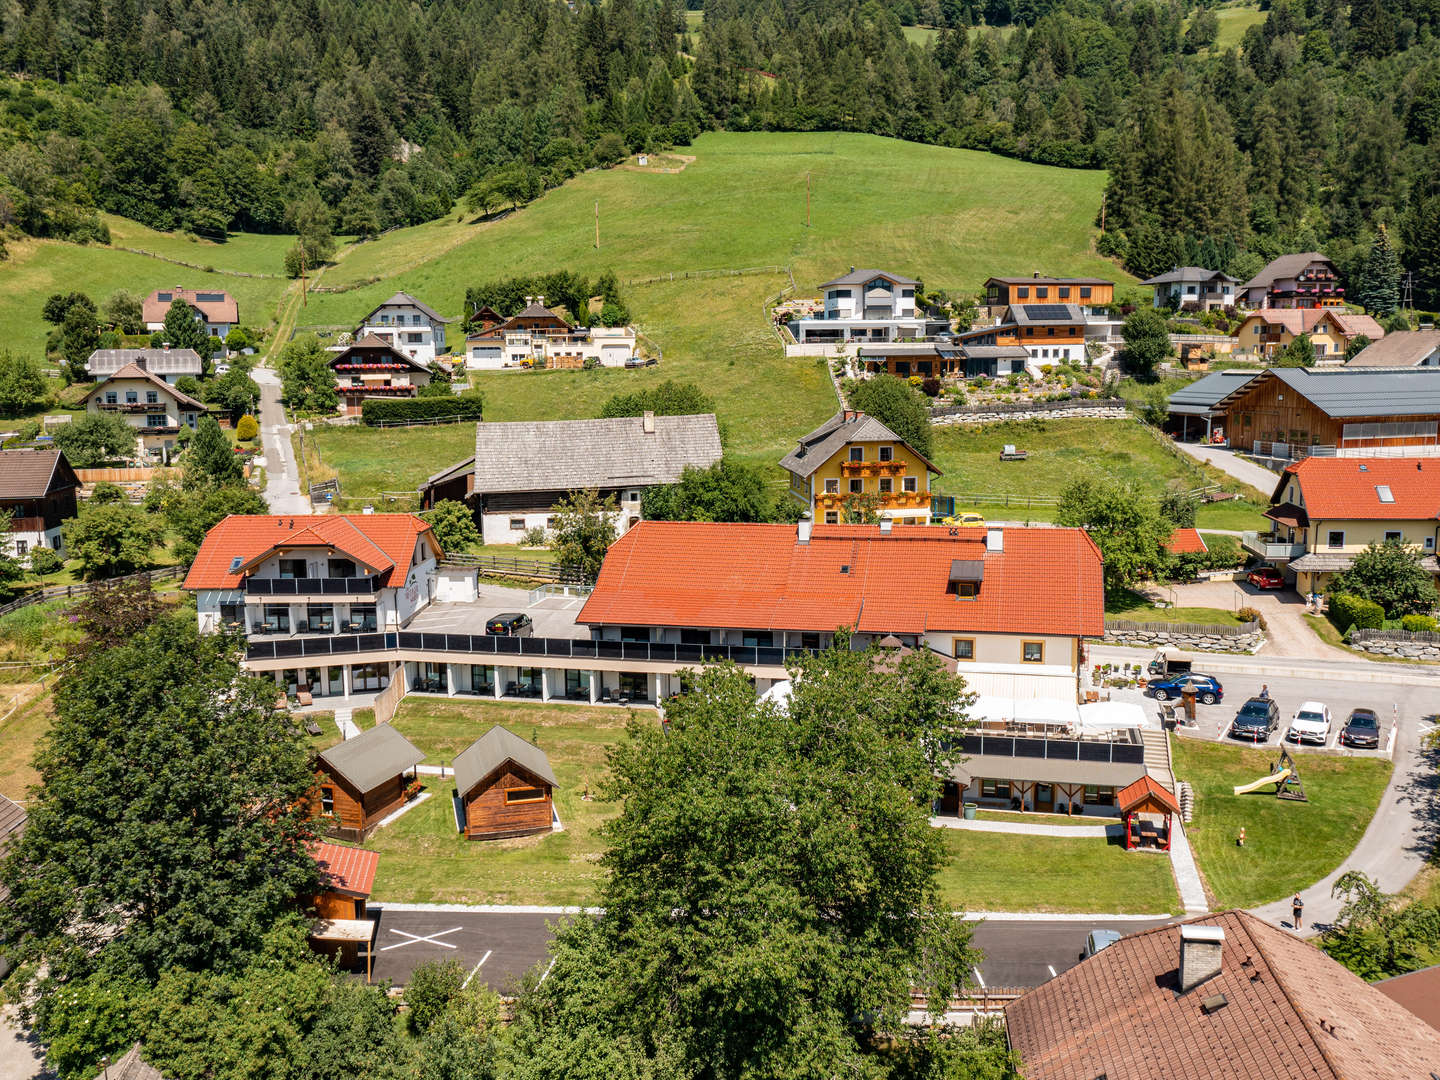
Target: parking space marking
(416,939)
(476,968)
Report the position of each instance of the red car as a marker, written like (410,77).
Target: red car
(1266,577)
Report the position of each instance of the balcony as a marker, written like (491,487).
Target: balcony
(872,468)
(132,406)
(374,390)
(1122,749)
(1268,547)
(354,586)
(905,500)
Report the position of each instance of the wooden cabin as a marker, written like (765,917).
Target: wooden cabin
(347,876)
(361,780)
(505,787)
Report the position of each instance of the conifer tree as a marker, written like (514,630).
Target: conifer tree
(1379,286)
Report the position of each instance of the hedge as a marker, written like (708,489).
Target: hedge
(1349,612)
(469,406)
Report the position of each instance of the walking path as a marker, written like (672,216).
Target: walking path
(344,720)
(1227,461)
(282,479)
(1025,828)
(1187,876)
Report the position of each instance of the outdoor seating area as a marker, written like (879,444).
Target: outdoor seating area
(1146,809)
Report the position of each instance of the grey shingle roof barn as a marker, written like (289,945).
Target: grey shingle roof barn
(847,426)
(578,455)
(493,749)
(1346,391)
(1202,395)
(371,758)
(33,474)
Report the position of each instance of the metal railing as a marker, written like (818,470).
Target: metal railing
(356,586)
(1270,549)
(1064,749)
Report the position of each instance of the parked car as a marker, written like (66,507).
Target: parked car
(1257,720)
(1266,577)
(511,624)
(1362,730)
(1207,688)
(970,520)
(1097,940)
(1311,723)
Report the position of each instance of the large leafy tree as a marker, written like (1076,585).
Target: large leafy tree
(190,512)
(306,381)
(584,530)
(1390,574)
(897,405)
(22,386)
(726,491)
(670,398)
(454,525)
(1377,935)
(170,824)
(1124,522)
(772,893)
(110,537)
(1147,342)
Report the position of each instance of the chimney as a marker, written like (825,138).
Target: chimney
(1035,273)
(165,345)
(802,530)
(141,363)
(886,524)
(1200,949)
(852,269)
(540,300)
(647,422)
(994,539)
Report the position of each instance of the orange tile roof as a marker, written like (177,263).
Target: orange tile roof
(1336,489)
(759,577)
(345,869)
(1290,1013)
(383,542)
(1147,787)
(1186,542)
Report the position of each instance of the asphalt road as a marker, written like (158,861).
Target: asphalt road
(499,948)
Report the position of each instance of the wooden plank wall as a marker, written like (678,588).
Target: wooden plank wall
(488,818)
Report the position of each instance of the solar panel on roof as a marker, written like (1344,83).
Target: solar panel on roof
(1046,312)
(210,297)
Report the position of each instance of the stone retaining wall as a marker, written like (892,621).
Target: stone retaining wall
(1187,641)
(1408,650)
(982,417)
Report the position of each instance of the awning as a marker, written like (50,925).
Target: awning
(1002,709)
(1114,716)
(1047,770)
(1288,514)
(343,930)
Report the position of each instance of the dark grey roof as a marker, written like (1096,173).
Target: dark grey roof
(996,352)
(12,824)
(576,455)
(160,361)
(1343,391)
(967,569)
(1102,773)
(372,757)
(450,472)
(1286,266)
(493,749)
(844,427)
(1400,348)
(404,299)
(900,348)
(1042,314)
(132,1066)
(1202,395)
(862,277)
(1187,273)
(33,474)
(1038,280)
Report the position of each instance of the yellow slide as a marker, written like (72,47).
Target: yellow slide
(1274,778)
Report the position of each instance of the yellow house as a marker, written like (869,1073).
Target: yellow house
(1266,332)
(852,463)
(1325,511)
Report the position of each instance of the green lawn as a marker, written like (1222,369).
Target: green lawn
(425,860)
(1288,845)
(1000,872)
(920,35)
(1133,606)
(248,253)
(1234,21)
(20,732)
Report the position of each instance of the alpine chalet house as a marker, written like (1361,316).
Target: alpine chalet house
(539,338)
(318,599)
(409,326)
(37,491)
(218,311)
(1268,331)
(155,409)
(361,780)
(505,786)
(854,459)
(1303,280)
(169,364)
(1092,295)
(1192,288)
(372,367)
(521,470)
(865,305)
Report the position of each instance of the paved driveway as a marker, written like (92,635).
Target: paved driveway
(1286,633)
(1227,461)
(497,948)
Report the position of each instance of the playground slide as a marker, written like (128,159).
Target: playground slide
(1273,778)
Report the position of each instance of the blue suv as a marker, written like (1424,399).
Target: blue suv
(1207,688)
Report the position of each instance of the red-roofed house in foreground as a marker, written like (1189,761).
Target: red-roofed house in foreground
(347,876)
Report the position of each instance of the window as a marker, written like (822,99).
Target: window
(887,485)
(832,517)
(1041,292)
(152,397)
(857,453)
(1429,543)
(155,420)
(277,617)
(1050,331)
(482,679)
(131,397)
(1032,652)
(327,800)
(1336,538)
(1393,534)
(887,453)
(577,684)
(1096,795)
(634,633)
(320,618)
(694,637)
(910,483)
(369,677)
(832,487)
(1063,292)
(809,641)
(964,648)
(857,486)
(995,789)
(232,614)
(342,568)
(413,339)
(1084,292)
(523,795)
(517,524)
(634,496)
(967,590)
(292,568)
(21,547)
(1022,293)
(110,398)
(761,639)
(364,615)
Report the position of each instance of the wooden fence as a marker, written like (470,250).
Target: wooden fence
(509,566)
(66,592)
(1195,629)
(388,700)
(681,275)
(124,476)
(1429,637)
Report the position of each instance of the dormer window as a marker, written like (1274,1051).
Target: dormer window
(966,576)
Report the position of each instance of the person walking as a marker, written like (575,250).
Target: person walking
(1297,908)
(1265,692)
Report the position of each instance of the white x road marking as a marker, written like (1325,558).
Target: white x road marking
(415,939)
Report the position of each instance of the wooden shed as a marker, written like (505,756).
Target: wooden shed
(343,925)
(363,779)
(504,787)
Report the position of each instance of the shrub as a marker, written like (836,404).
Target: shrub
(1349,612)
(468,406)
(533,537)
(1223,553)
(45,561)
(930,387)
(1417,623)
(432,986)
(1250,614)
(247,428)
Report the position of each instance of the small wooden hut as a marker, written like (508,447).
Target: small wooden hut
(361,780)
(505,787)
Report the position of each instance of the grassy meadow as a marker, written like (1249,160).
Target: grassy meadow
(241,253)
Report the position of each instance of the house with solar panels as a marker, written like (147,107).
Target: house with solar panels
(218,311)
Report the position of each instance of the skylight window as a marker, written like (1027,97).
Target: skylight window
(1384,492)
(237,562)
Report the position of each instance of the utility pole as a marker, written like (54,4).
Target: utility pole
(1102,212)
(1408,284)
(597,224)
(807,200)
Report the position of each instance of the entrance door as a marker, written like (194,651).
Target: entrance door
(1044,798)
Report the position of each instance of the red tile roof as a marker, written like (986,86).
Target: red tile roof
(759,577)
(1418,991)
(1355,325)
(1335,489)
(383,542)
(1132,795)
(224,310)
(1294,320)
(345,869)
(1186,542)
(1290,1012)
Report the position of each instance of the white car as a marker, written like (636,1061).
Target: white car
(1311,723)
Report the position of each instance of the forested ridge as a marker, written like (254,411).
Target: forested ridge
(362,115)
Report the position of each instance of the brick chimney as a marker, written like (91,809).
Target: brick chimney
(142,363)
(1200,951)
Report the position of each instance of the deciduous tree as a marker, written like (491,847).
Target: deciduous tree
(306,381)
(1124,522)
(108,539)
(22,386)
(1390,574)
(1147,342)
(454,525)
(584,530)
(726,491)
(897,405)
(95,438)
